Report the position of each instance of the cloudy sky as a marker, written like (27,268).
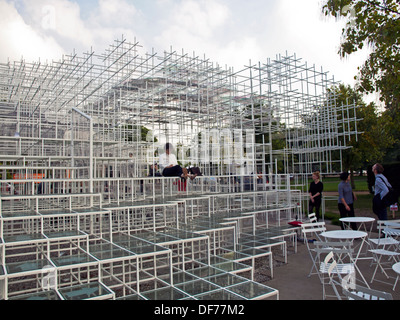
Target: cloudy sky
(229,32)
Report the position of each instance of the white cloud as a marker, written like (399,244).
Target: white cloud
(46,30)
(229,32)
(239,53)
(18,39)
(112,19)
(191,24)
(304,30)
(115,13)
(60,18)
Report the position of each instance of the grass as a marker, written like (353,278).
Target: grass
(364,202)
(331,184)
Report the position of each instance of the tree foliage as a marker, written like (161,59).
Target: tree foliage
(375,137)
(374,23)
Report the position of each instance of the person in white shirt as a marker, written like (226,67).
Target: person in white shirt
(169,165)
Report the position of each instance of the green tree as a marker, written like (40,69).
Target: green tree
(375,137)
(375,24)
(132,133)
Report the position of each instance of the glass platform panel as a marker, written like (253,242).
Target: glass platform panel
(74,259)
(57,212)
(89,210)
(44,295)
(197,287)
(19,214)
(254,252)
(148,249)
(167,293)
(219,295)
(27,266)
(65,234)
(155,237)
(232,266)
(250,237)
(181,234)
(225,280)
(271,242)
(137,246)
(253,290)
(179,277)
(253,244)
(107,251)
(263,240)
(133,297)
(86,292)
(215,259)
(233,255)
(205,271)
(24,237)
(129,240)
(208,224)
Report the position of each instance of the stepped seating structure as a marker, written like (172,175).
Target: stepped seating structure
(80,246)
(80,215)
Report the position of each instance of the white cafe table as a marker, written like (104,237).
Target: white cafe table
(351,235)
(346,235)
(396,268)
(362,221)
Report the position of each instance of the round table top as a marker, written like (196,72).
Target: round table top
(357,219)
(396,267)
(344,234)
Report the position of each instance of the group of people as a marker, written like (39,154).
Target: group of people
(347,197)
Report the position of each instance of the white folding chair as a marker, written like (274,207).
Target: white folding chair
(337,272)
(363,293)
(388,243)
(311,232)
(384,260)
(385,252)
(312,217)
(390,228)
(391,232)
(350,289)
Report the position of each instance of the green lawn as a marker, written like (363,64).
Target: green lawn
(364,200)
(331,184)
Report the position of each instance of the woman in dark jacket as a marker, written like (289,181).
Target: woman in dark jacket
(315,191)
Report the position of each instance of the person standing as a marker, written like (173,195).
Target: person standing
(381,190)
(346,199)
(315,192)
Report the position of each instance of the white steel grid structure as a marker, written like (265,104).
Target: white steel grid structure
(78,209)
